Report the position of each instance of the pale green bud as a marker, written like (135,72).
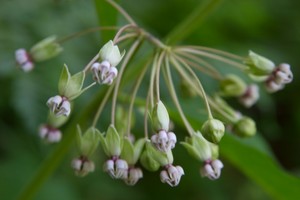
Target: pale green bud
(45,49)
(131,153)
(258,65)
(245,127)
(71,86)
(87,142)
(148,162)
(199,148)
(112,144)
(232,86)
(213,130)
(111,53)
(56,121)
(160,117)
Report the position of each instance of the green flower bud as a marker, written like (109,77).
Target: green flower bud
(258,65)
(112,144)
(45,49)
(87,142)
(56,121)
(148,162)
(131,153)
(199,148)
(160,157)
(160,117)
(245,127)
(71,86)
(232,86)
(111,53)
(213,130)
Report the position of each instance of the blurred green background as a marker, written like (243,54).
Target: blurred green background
(268,27)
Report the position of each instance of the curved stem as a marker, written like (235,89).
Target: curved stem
(81,33)
(177,65)
(170,85)
(118,81)
(146,116)
(101,106)
(159,63)
(136,87)
(152,77)
(122,11)
(120,31)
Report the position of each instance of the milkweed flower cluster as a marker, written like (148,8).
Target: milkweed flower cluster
(127,157)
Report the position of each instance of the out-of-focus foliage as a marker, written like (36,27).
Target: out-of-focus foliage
(268,27)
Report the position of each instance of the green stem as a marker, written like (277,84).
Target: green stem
(171,88)
(192,22)
(128,56)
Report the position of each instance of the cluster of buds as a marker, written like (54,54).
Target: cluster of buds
(105,70)
(234,86)
(263,69)
(163,140)
(43,50)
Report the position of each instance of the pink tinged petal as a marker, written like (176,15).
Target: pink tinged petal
(43,131)
(76,164)
(54,102)
(88,166)
(217,165)
(162,140)
(66,108)
(272,86)
(172,139)
(104,68)
(164,177)
(121,169)
(133,176)
(154,139)
(96,71)
(111,75)
(54,136)
(109,168)
(26,67)
(21,56)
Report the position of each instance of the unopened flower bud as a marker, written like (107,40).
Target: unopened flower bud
(50,134)
(212,169)
(134,175)
(116,168)
(45,49)
(82,166)
(87,142)
(245,127)
(160,117)
(171,175)
(164,141)
(259,65)
(213,130)
(283,74)
(232,86)
(59,105)
(251,96)
(111,53)
(111,143)
(24,60)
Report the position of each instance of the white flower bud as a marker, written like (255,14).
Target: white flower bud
(50,134)
(117,169)
(111,53)
(23,60)
(164,141)
(272,86)
(212,169)
(134,174)
(171,175)
(250,97)
(110,76)
(283,74)
(59,105)
(82,166)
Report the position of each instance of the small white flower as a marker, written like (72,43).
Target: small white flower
(134,174)
(171,175)
(283,74)
(82,166)
(212,169)
(104,73)
(23,60)
(50,134)
(117,169)
(250,97)
(164,141)
(59,105)
(272,86)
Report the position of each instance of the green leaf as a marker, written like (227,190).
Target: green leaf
(261,168)
(63,80)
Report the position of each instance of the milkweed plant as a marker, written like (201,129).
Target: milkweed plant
(127,155)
